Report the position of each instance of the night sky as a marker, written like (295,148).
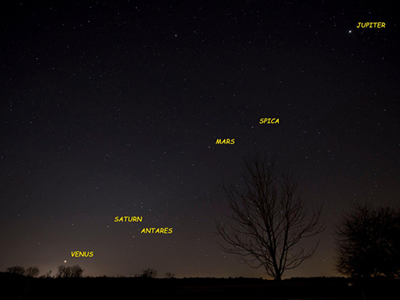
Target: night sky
(114,108)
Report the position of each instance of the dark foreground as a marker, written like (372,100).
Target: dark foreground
(20,287)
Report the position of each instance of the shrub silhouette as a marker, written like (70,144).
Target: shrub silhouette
(16,270)
(32,272)
(169,275)
(69,272)
(368,243)
(47,275)
(148,273)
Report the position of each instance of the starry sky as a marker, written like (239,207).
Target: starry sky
(113,108)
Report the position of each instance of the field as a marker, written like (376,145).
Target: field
(19,287)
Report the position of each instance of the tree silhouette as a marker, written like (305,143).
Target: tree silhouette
(76,271)
(47,275)
(32,272)
(269,220)
(169,275)
(148,273)
(16,270)
(63,272)
(69,272)
(368,242)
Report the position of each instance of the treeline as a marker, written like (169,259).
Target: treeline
(76,272)
(63,272)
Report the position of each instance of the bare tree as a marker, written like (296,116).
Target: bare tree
(148,273)
(63,272)
(69,272)
(47,275)
(169,275)
(269,220)
(32,272)
(76,271)
(16,270)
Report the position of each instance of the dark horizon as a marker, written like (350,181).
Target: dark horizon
(196,288)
